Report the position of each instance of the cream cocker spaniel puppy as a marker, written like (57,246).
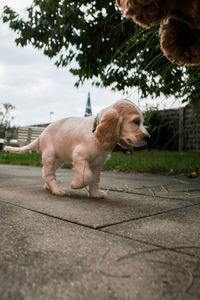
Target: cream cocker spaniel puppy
(86,142)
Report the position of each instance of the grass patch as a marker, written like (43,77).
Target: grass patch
(163,162)
(25,159)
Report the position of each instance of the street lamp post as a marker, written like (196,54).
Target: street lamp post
(50,116)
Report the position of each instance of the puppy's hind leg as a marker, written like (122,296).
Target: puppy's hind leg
(50,164)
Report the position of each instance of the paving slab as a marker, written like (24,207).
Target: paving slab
(96,213)
(177,192)
(179,229)
(141,242)
(77,207)
(177,187)
(143,180)
(148,180)
(45,258)
(16,176)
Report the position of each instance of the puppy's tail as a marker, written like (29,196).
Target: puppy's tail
(32,146)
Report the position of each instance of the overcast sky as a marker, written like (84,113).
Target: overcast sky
(35,86)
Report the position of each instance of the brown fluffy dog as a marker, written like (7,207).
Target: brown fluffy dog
(179,29)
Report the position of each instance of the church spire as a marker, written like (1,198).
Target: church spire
(88,109)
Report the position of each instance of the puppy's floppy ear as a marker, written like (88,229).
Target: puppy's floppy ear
(108,131)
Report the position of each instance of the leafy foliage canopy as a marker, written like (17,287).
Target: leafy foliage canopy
(98,43)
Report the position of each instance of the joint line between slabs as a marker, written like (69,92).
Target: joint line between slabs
(157,246)
(98,227)
(47,214)
(144,217)
(101,229)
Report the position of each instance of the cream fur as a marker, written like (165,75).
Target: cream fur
(72,140)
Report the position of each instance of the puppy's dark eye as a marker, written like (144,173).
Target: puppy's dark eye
(137,122)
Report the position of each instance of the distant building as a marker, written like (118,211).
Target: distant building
(88,109)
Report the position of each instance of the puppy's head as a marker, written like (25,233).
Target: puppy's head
(121,124)
(132,133)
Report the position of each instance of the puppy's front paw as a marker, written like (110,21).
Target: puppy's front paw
(59,191)
(97,194)
(77,184)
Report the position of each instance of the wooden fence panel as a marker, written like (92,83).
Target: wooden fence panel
(187,123)
(28,134)
(191,131)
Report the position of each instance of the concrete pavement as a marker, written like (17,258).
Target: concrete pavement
(141,242)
